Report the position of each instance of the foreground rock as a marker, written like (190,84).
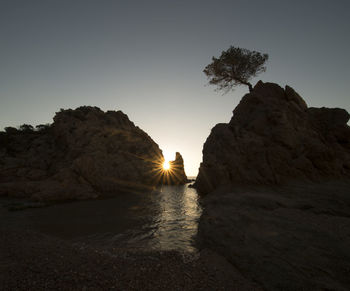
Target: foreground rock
(278,206)
(85,153)
(273,138)
(295,237)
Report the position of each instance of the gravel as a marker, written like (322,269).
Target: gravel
(35,261)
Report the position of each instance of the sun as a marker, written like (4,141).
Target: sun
(166,166)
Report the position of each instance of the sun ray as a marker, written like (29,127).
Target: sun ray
(166,165)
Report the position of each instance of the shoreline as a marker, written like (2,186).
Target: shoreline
(35,261)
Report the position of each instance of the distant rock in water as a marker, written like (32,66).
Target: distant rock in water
(176,174)
(86,153)
(273,138)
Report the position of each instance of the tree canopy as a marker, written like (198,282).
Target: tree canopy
(26,128)
(235,66)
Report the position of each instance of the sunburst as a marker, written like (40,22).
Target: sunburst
(166,166)
(164,171)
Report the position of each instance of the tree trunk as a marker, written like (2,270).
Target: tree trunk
(250,87)
(245,83)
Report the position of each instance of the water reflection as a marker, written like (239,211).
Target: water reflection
(177,221)
(165,219)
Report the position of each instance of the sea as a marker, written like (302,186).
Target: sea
(164,219)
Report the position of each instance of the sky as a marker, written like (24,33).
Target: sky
(146,58)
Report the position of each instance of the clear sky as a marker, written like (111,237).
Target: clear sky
(146,58)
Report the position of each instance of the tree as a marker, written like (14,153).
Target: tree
(236,66)
(43,127)
(26,128)
(11,130)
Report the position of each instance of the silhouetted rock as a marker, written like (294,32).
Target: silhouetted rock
(85,153)
(176,174)
(278,206)
(274,138)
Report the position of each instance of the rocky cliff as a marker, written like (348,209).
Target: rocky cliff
(85,153)
(274,138)
(279,202)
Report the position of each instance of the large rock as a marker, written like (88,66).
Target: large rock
(85,153)
(274,138)
(278,192)
(293,237)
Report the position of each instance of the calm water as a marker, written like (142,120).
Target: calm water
(166,219)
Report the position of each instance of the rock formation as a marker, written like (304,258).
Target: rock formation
(278,206)
(176,174)
(273,138)
(85,153)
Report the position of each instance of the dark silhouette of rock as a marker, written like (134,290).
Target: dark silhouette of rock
(176,173)
(85,153)
(273,138)
(278,192)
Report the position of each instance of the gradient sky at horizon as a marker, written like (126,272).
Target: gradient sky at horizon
(146,58)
